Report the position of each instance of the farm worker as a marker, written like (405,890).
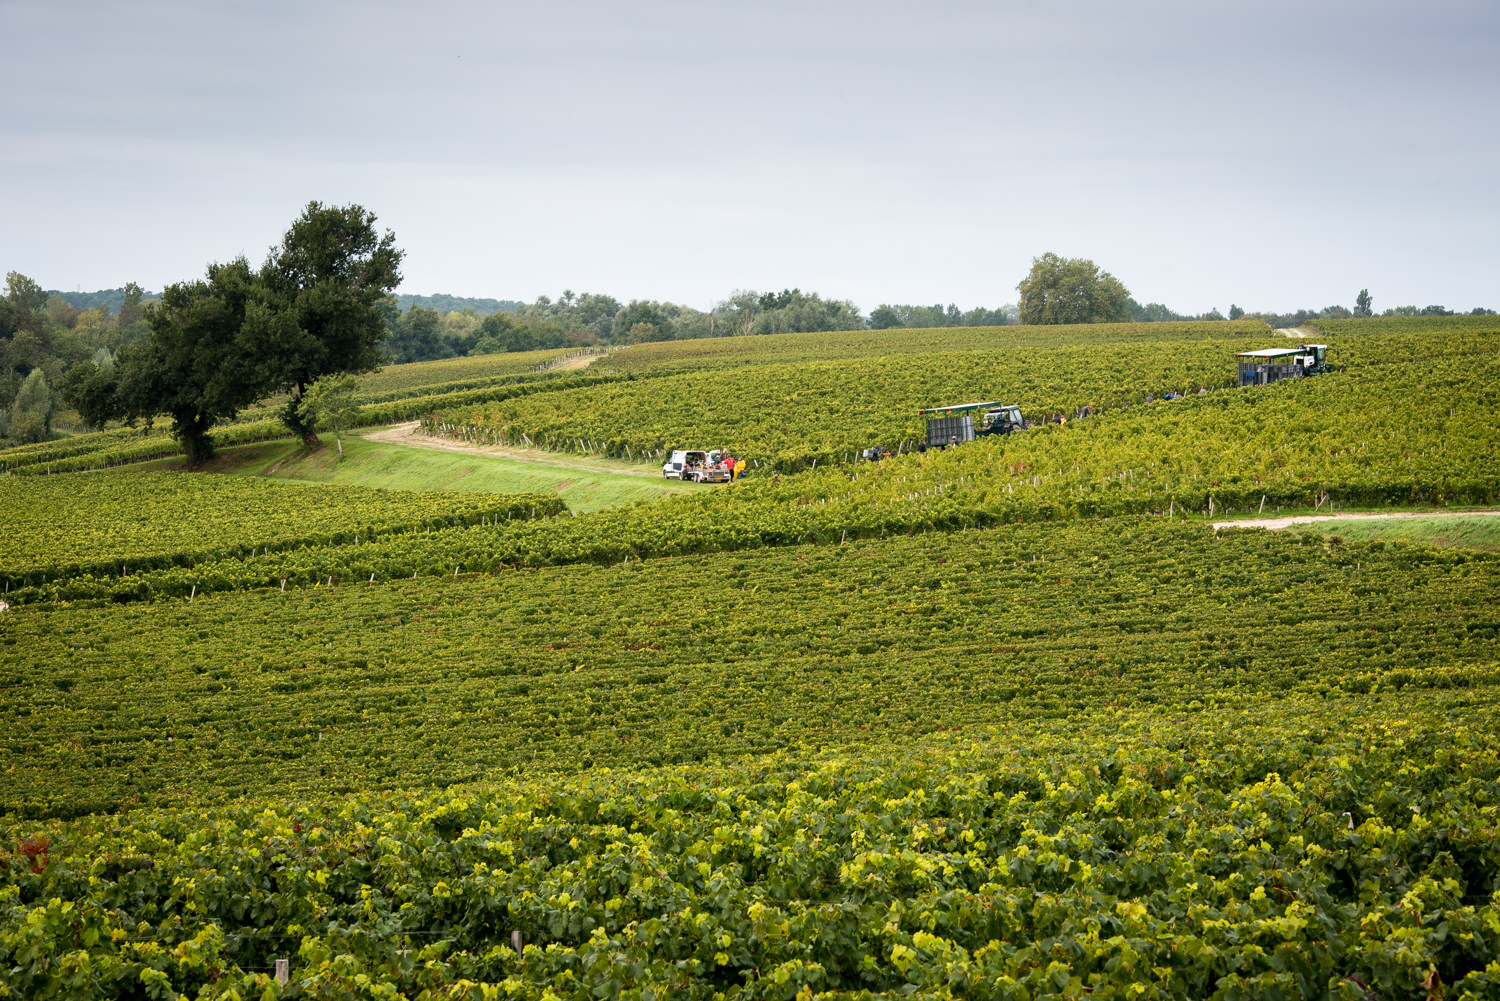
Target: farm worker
(729,464)
(739,469)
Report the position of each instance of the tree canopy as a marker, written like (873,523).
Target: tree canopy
(330,405)
(316,307)
(1071,290)
(30,417)
(324,291)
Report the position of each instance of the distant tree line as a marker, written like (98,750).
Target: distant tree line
(1074,290)
(884,317)
(444,303)
(112,299)
(421,333)
(43,336)
(1363,307)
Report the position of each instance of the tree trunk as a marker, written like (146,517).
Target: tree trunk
(191,429)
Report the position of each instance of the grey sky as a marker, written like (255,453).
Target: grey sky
(1268,153)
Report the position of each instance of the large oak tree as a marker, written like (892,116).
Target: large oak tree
(217,345)
(1071,290)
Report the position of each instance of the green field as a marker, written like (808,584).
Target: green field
(583,484)
(1010,720)
(1471,532)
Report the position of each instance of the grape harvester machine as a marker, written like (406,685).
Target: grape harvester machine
(967,421)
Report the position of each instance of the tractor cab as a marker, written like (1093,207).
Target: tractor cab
(1314,358)
(1003,421)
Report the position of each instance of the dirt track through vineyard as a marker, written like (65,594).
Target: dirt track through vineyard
(409,435)
(573,362)
(1308,519)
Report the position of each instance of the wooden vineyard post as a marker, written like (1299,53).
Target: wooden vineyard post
(515,940)
(283,971)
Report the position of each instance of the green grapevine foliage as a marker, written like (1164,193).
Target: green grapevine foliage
(1005,721)
(101,523)
(1180,858)
(669,660)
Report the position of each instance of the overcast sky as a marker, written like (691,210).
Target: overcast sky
(1271,154)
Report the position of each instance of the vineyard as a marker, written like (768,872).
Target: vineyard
(793,414)
(1177,857)
(419,376)
(791,406)
(1008,720)
(668,661)
(857,345)
(94,523)
(1351,439)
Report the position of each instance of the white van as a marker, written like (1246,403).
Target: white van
(694,465)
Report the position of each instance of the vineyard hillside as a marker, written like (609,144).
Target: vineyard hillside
(1006,720)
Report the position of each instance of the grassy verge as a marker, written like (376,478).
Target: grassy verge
(1469,532)
(396,467)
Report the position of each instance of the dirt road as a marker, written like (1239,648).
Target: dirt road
(409,435)
(1308,519)
(573,362)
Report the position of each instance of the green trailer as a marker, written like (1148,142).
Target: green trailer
(1268,365)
